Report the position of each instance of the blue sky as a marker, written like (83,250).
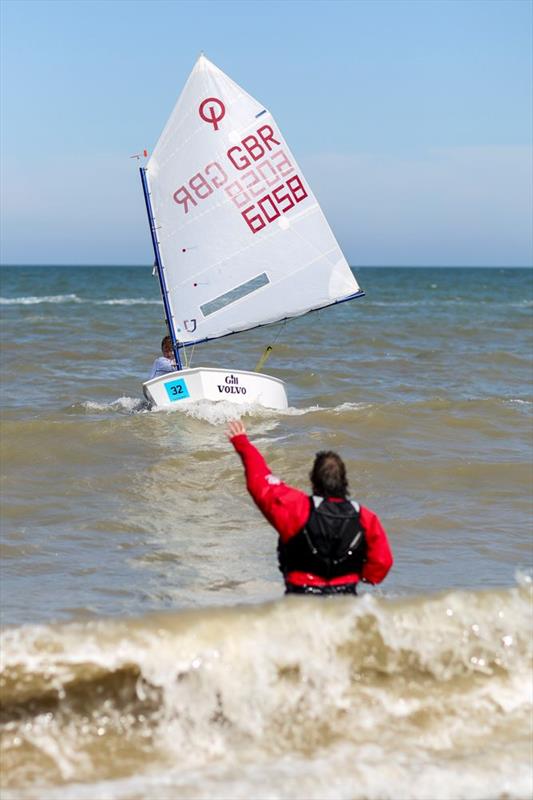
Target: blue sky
(411,120)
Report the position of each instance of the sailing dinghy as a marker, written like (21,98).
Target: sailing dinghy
(239,238)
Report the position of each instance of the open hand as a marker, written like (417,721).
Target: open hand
(235,428)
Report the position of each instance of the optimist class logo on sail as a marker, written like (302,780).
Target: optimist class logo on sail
(208,113)
(256,175)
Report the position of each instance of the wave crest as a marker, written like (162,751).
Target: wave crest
(294,676)
(73,298)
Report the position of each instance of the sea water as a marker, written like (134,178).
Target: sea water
(147,650)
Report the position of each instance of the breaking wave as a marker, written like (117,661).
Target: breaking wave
(215,413)
(372,698)
(130,405)
(30,301)
(73,298)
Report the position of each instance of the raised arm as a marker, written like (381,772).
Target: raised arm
(286,508)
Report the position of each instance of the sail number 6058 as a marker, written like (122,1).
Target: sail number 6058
(273,205)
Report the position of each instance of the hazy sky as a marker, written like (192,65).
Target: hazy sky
(412,120)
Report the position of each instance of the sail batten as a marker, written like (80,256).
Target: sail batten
(242,239)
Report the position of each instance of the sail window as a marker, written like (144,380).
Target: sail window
(235,294)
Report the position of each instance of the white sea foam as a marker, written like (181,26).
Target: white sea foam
(222,411)
(130,404)
(298,698)
(74,298)
(128,301)
(30,301)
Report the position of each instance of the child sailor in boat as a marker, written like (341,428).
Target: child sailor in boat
(165,363)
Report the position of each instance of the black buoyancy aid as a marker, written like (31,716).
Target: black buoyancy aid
(331,543)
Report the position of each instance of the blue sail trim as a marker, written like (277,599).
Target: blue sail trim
(360,293)
(159,265)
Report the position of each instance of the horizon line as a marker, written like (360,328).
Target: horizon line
(352,266)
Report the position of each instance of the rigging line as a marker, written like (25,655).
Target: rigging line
(282,326)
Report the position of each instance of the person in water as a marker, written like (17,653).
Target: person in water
(327,543)
(166,362)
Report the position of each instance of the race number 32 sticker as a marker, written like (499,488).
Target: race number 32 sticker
(177,390)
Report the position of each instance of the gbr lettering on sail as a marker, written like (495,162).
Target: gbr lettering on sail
(256,175)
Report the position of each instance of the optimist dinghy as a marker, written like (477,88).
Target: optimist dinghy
(239,238)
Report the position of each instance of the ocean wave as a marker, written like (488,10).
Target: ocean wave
(222,411)
(214,412)
(127,301)
(419,682)
(518,402)
(447,301)
(129,404)
(30,301)
(422,302)
(146,301)
(74,298)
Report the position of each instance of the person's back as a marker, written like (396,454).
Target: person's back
(330,546)
(327,543)
(165,363)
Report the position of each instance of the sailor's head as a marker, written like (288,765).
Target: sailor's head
(328,476)
(166,347)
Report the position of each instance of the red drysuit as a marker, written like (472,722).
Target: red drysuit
(288,509)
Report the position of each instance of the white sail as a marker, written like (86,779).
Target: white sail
(242,239)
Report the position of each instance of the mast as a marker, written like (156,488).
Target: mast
(159,265)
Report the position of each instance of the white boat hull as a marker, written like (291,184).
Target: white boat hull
(188,386)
